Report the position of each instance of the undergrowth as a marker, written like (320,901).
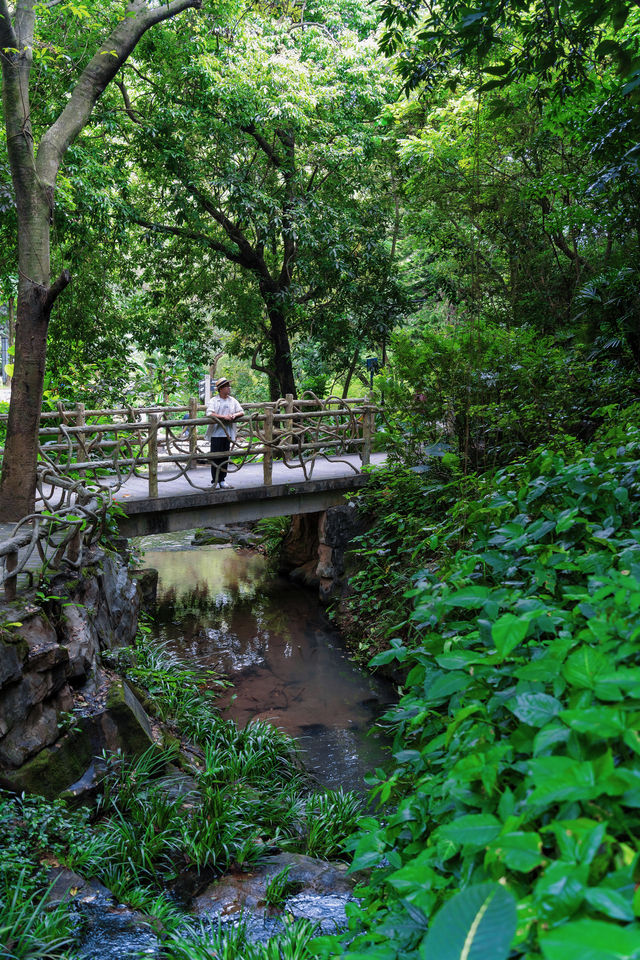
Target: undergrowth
(240,795)
(516,747)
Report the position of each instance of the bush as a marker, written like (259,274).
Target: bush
(491,393)
(517,756)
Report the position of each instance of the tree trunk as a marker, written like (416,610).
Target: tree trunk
(279,336)
(35,300)
(17,490)
(350,372)
(34,174)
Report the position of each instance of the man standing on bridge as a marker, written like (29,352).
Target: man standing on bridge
(224,410)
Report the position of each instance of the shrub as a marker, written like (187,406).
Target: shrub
(517,757)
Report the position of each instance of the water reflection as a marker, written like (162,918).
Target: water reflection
(222,609)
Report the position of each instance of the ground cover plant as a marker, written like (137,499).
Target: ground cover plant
(517,756)
(210,798)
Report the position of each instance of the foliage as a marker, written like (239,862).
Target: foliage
(231,943)
(31,827)
(29,928)
(331,816)
(489,393)
(272,531)
(252,189)
(279,888)
(516,752)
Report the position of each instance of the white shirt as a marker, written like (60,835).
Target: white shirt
(227,407)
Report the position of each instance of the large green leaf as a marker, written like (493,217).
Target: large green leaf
(509,631)
(518,850)
(536,709)
(592,940)
(477,924)
(585,666)
(475,829)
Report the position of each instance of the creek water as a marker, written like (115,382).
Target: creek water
(222,608)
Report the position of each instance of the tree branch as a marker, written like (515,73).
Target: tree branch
(56,289)
(192,235)
(256,366)
(95,77)
(128,106)
(263,144)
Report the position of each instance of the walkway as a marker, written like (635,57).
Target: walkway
(181,506)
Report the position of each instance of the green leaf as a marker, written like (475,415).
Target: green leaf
(610,902)
(476,924)
(591,940)
(585,666)
(471,598)
(509,631)
(473,830)
(536,709)
(519,850)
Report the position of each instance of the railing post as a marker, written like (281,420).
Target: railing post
(74,547)
(367,433)
(193,430)
(288,432)
(267,458)
(11,583)
(82,446)
(153,454)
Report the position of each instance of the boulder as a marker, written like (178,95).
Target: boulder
(239,891)
(50,649)
(64,765)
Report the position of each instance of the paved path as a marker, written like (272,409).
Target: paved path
(250,476)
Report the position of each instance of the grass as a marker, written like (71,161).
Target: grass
(29,927)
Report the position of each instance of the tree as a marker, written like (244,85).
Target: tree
(29,33)
(266,172)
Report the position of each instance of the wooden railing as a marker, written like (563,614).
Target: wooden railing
(86,455)
(69,517)
(164,443)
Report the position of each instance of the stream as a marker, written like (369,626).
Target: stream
(222,608)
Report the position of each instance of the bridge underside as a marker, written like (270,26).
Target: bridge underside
(168,514)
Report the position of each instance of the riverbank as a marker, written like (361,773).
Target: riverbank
(210,799)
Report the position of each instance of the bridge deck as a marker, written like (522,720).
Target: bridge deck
(182,506)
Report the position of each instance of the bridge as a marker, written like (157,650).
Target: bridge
(180,507)
(289,457)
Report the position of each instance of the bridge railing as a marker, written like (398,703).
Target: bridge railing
(161,444)
(70,515)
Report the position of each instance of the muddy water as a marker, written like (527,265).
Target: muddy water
(222,608)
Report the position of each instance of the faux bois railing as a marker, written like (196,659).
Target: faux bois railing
(87,455)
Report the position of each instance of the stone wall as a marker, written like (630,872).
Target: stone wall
(54,690)
(316,548)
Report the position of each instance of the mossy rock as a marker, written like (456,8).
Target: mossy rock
(54,769)
(122,725)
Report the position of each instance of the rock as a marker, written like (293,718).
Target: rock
(44,654)
(301,542)
(68,886)
(125,714)
(13,652)
(240,891)
(147,585)
(53,769)
(306,575)
(211,536)
(117,616)
(338,527)
(108,928)
(238,534)
(121,725)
